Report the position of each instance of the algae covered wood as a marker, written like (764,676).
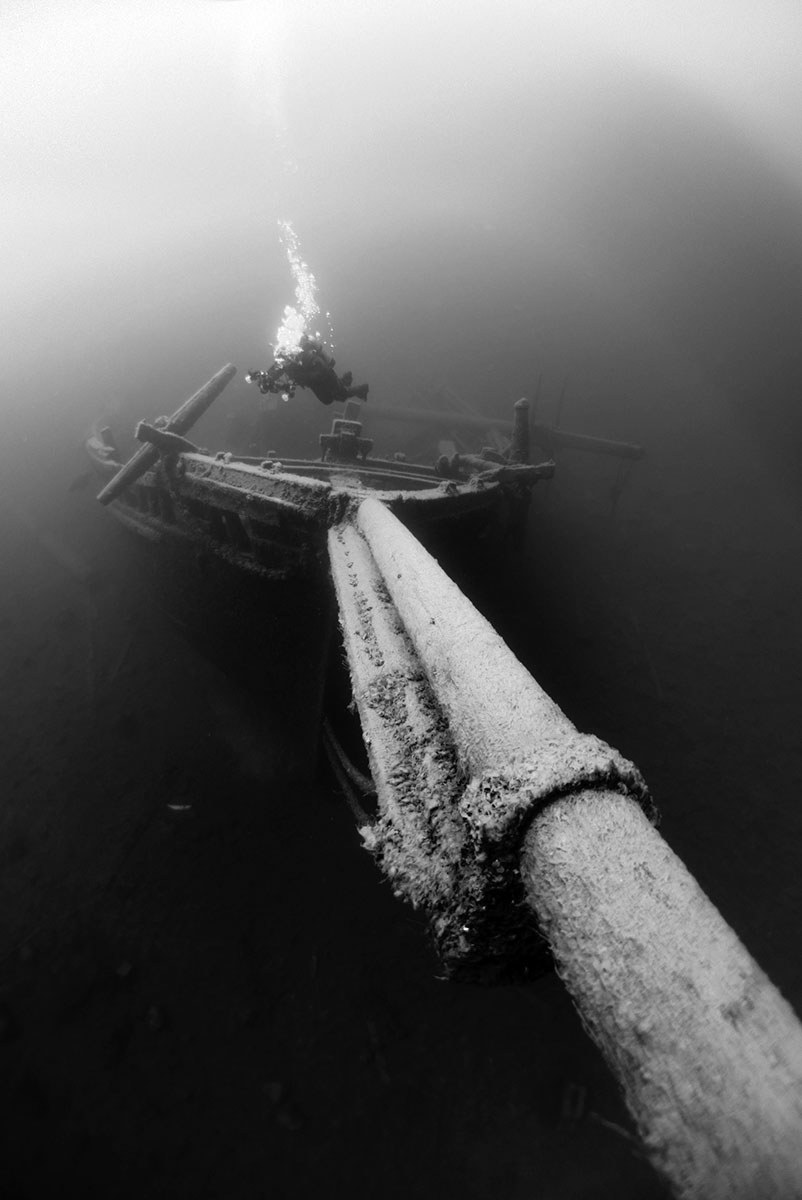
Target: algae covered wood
(496,711)
(497,816)
(464,745)
(707,1051)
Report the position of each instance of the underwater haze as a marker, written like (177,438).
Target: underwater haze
(207,987)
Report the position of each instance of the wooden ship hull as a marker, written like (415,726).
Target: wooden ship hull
(268,518)
(234,547)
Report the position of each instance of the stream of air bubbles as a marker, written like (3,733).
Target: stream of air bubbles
(263,38)
(298,318)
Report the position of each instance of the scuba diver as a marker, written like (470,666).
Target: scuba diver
(312,367)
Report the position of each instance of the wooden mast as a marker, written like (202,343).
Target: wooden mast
(496,814)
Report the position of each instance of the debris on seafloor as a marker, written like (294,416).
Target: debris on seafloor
(156,1019)
(573,1101)
(285,1110)
(9,1026)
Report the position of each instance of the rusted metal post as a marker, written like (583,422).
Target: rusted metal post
(507,825)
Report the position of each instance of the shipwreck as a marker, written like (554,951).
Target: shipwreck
(519,836)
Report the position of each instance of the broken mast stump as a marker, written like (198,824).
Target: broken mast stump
(519,446)
(510,828)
